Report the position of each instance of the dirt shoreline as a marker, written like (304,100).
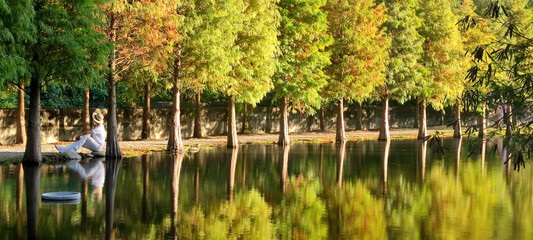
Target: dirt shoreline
(9,153)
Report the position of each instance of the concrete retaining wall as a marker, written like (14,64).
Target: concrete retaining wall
(64,124)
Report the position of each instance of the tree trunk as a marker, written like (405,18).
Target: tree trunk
(359,116)
(457,130)
(198,117)
(509,120)
(33,145)
(340,163)
(341,135)
(146,131)
(442,115)
(417,115)
(21,118)
(482,121)
(175,142)
(322,119)
(422,122)
(32,180)
(244,118)
(384,134)
(232,124)
(284,139)
(85,112)
(113,148)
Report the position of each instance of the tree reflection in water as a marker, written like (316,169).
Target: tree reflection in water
(111,172)
(341,153)
(176,161)
(32,179)
(473,199)
(231,172)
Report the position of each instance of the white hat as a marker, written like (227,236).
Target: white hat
(98,118)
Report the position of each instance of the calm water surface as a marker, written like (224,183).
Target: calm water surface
(360,190)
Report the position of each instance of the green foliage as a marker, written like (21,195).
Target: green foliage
(16,30)
(403,68)
(359,51)
(303,38)
(49,41)
(251,33)
(442,55)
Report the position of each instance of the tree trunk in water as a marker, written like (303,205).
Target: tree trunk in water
(175,172)
(231,173)
(85,112)
(146,131)
(244,117)
(341,135)
(198,117)
(482,121)
(284,139)
(33,145)
(457,130)
(359,116)
(21,118)
(175,143)
(423,154)
(112,166)
(340,163)
(385,165)
(322,120)
(422,122)
(384,134)
(32,180)
(284,156)
(232,124)
(417,115)
(458,156)
(509,122)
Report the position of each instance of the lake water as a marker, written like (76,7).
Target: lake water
(360,190)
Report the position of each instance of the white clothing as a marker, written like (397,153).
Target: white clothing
(85,141)
(99,134)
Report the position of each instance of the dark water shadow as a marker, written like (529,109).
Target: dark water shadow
(111,172)
(32,180)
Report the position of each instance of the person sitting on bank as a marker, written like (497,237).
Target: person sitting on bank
(93,140)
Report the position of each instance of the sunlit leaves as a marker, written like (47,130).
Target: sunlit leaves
(358,54)
(303,38)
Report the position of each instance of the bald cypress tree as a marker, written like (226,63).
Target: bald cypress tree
(404,53)
(442,59)
(300,77)
(54,41)
(251,56)
(358,53)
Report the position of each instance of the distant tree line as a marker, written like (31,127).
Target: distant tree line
(302,54)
